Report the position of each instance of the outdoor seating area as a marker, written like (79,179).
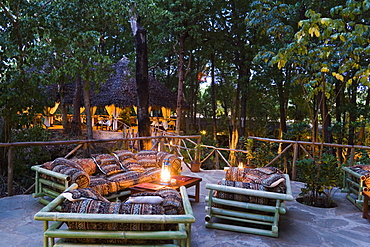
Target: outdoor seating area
(123,199)
(302,225)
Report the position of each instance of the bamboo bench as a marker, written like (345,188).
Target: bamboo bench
(246,217)
(49,184)
(354,185)
(54,221)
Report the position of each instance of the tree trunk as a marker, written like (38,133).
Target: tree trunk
(361,135)
(182,39)
(142,85)
(352,113)
(339,91)
(76,121)
(315,124)
(87,110)
(234,125)
(326,119)
(66,125)
(213,92)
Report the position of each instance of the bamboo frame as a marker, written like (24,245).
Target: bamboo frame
(262,215)
(181,236)
(354,185)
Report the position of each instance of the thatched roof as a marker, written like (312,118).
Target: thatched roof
(120,90)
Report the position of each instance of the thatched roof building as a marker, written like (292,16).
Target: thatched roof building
(120,90)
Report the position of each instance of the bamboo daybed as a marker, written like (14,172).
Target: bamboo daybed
(109,174)
(54,230)
(241,203)
(356,180)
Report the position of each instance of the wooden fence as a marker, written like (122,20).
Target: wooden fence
(189,148)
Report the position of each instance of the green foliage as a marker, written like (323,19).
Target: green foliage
(25,157)
(298,131)
(261,153)
(320,177)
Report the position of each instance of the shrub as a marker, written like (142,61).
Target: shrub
(320,176)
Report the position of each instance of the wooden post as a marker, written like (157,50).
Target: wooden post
(217,160)
(295,155)
(10,170)
(352,158)
(197,151)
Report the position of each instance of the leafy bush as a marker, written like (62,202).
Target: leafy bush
(25,157)
(320,176)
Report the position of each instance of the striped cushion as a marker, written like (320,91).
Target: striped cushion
(107,164)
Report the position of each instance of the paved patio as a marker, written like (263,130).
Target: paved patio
(301,226)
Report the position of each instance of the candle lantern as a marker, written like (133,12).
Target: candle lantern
(166,173)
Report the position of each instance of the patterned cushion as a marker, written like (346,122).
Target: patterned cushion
(107,164)
(102,185)
(147,158)
(265,178)
(265,175)
(131,164)
(239,197)
(123,154)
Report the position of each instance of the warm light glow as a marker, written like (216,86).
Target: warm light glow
(165,174)
(203,132)
(241,165)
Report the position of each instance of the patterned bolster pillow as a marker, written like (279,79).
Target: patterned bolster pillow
(77,176)
(125,179)
(61,161)
(172,201)
(87,164)
(364,171)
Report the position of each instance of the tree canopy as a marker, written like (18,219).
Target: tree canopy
(244,67)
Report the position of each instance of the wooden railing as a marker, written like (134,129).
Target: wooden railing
(189,148)
(347,152)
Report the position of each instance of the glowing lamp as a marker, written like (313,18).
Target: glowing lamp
(166,173)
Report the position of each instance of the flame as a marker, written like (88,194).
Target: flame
(241,165)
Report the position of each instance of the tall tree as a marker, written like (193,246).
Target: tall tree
(327,51)
(142,83)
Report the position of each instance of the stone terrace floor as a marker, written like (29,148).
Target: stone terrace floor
(300,226)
